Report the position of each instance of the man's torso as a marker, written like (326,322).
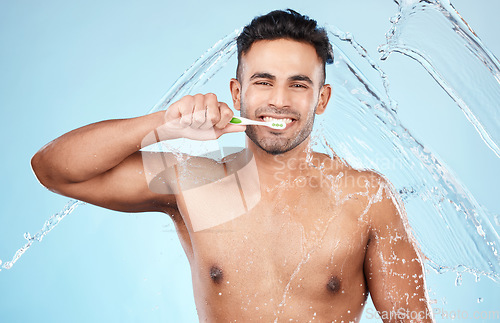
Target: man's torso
(298,253)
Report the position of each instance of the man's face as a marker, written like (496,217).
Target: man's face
(280,79)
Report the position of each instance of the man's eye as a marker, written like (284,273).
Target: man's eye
(299,86)
(262,83)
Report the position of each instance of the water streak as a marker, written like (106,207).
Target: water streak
(198,74)
(50,224)
(453,230)
(475,85)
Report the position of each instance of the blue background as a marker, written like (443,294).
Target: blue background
(66,64)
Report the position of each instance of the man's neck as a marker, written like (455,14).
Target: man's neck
(273,168)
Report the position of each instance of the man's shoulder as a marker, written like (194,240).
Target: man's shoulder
(366,184)
(386,209)
(357,179)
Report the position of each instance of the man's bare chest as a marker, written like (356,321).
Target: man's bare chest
(311,245)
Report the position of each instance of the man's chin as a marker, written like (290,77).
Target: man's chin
(270,143)
(275,148)
(275,152)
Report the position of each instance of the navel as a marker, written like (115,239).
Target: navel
(333,284)
(216,274)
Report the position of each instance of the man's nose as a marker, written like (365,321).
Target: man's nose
(279,97)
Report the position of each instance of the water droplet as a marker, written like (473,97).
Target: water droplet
(480,300)
(458,281)
(220,294)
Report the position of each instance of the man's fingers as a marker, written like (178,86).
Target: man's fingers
(185,107)
(212,111)
(199,110)
(226,114)
(200,117)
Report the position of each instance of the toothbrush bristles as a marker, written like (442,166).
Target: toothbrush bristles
(278,125)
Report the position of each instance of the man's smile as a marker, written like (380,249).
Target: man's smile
(289,117)
(288,121)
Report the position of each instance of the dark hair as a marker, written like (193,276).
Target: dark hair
(288,24)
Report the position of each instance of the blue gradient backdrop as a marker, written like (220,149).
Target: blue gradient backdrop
(64,64)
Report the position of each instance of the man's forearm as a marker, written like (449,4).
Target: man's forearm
(91,150)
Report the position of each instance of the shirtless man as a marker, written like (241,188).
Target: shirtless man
(275,232)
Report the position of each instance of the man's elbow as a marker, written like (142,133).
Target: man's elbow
(41,169)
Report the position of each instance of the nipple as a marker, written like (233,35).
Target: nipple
(216,274)
(333,284)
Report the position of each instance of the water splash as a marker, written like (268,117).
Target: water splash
(50,224)
(453,230)
(202,70)
(475,85)
(197,75)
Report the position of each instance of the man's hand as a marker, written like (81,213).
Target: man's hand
(198,117)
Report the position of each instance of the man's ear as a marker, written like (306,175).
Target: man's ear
(324,97)
(235,87)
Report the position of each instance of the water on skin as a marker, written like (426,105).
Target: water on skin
(313,242)
(452,229)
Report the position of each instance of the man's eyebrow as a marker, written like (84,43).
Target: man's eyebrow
(263,76)
(301,77)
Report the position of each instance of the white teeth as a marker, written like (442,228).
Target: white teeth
(285,120)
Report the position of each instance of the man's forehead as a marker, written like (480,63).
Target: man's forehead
(281,58)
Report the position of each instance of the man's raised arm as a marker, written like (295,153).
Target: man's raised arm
(101,163)
(393,267)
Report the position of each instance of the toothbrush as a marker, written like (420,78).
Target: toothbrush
(270,124)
